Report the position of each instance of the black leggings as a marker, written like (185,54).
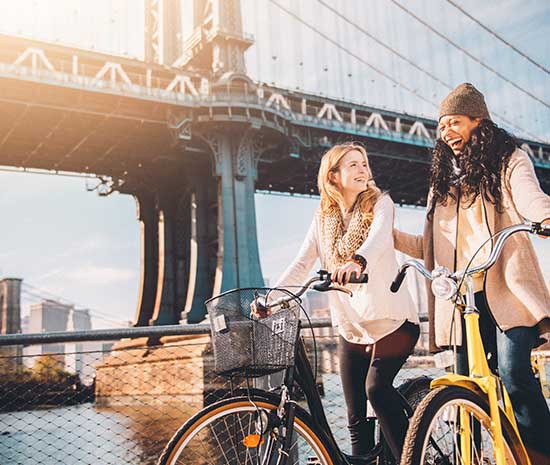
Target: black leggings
(368,372)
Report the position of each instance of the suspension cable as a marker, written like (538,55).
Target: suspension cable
(384,45)
(37,294)
(383,73)
(494,34)
(468,54)
(354,55)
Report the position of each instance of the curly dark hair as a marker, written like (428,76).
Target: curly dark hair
(482,165)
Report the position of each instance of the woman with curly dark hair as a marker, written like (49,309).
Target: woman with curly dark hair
(482,182)
(477,170)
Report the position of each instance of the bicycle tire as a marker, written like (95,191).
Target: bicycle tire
(175,452)
(415,389)
(419,438)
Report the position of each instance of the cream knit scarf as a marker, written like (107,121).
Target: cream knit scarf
(338,243)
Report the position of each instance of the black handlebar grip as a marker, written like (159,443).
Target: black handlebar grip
(396,284)
(323,285)
(363,278)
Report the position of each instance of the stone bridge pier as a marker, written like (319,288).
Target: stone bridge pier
(198,227)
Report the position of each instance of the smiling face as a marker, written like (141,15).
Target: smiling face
(456,131)
(352,173)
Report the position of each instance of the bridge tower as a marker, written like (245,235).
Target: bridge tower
(162,31)
(10,322)
(10,305)
(198,228)
(217,42)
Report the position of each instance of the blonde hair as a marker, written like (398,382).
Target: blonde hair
(330,194)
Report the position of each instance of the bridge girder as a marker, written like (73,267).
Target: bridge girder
(193,151)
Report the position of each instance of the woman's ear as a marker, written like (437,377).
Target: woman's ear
(332,177)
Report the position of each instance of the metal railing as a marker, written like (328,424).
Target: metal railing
(116,396)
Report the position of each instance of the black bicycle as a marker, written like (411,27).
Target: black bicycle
(268,427)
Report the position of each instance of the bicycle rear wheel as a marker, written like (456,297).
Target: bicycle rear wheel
(433,437)
(216,435)
(414,390)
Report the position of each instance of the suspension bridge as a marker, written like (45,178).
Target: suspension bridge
(192,131)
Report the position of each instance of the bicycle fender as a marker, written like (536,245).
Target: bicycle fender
(452,379)
(477,386)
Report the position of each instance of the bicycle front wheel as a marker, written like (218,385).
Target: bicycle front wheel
(436,431)
(225,433)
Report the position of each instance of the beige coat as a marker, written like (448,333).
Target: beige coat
(514,286)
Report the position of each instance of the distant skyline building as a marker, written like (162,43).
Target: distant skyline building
(77,360)
(50,315)
(79,320)
(25,321)
(47,316)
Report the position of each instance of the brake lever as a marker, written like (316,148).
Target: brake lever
(330,286)
(341,289)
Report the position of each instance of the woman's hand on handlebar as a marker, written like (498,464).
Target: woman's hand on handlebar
(343,273)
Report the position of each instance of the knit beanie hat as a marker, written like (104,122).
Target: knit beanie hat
(465,99)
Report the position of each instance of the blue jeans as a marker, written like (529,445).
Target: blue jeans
(510,353)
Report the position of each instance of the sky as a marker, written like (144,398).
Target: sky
(67,242)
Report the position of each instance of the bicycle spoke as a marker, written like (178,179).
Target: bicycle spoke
(216,438)
(232,434)
(220,447)
(448,430)
(248,454)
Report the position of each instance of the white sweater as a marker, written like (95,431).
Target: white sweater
(373,312)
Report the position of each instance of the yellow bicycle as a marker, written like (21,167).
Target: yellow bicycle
(465,420)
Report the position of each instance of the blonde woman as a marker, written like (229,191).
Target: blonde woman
(352,233)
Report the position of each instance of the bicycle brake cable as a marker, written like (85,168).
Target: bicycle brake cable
(299,300)
(315,361)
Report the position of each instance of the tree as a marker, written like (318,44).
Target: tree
(50,368)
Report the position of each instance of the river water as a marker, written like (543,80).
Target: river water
(86,434)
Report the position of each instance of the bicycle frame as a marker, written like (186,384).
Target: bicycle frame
(483,382)
(303,374)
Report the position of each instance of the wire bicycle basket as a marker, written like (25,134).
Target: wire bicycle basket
(248,346)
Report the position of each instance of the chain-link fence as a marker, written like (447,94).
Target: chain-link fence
(85,401)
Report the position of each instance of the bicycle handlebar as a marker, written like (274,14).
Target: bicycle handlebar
(324,285)
(528,226)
